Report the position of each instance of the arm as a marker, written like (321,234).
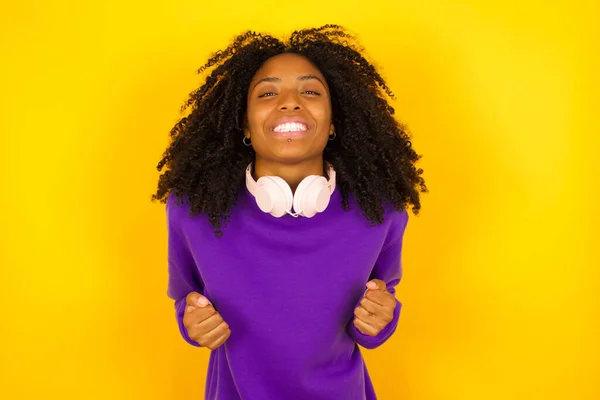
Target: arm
(388,268)
(183,275)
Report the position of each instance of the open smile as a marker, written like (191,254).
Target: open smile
(290,127)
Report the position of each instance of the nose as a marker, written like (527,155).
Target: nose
(289,101)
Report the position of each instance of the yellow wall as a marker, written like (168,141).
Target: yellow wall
(501,289)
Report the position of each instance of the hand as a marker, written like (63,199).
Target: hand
(376,309)
(203,323)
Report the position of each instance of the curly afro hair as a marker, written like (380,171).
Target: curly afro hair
(372,154)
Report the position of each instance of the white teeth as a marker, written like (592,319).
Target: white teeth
(290,127)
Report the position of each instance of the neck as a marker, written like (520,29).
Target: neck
(291,173)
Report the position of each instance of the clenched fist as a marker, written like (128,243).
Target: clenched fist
(203,323)
(376,309)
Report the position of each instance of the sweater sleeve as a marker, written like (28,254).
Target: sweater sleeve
(388,268)
(182,271)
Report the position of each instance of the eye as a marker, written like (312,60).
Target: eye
(266,94)
(312,92)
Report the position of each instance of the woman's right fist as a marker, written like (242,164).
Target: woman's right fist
(203,323)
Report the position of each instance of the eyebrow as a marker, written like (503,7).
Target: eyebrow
(300,78)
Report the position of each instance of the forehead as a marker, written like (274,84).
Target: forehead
(287,65)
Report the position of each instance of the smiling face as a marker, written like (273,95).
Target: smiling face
(288,98)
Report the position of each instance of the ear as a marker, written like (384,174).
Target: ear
(331,129)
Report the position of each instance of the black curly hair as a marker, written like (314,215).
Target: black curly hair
(372,154)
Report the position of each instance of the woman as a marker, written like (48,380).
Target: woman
(286,194)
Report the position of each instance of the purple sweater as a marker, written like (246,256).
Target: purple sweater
(287,287)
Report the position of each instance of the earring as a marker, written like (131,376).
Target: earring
(248,143)
(331,137)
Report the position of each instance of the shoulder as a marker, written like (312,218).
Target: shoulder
(176,207)
(398,218)
(180,219)
(396,222)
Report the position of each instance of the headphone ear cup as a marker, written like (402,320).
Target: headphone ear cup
(273,195)
(312,196)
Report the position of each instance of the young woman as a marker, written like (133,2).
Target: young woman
(286,191)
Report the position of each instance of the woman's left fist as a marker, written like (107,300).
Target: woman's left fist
(376,309)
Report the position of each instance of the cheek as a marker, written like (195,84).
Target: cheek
(321,112)
(257,115)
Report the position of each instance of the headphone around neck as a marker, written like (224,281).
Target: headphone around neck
(274,196)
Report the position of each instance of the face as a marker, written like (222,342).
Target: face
(289,110)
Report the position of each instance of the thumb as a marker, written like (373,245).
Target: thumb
(195,299)
(377,284)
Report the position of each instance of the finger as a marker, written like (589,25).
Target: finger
(376,284)
(378,321)
(210,323)
(197,300)
(365,328)
(365,316)
(214,334)
(198,315)
(217,343)
(384,299)
(371,306)
(210,306)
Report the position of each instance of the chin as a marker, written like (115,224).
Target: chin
(289,157)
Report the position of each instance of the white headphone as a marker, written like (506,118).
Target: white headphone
(274,196)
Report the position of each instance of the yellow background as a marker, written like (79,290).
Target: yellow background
(501,286)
